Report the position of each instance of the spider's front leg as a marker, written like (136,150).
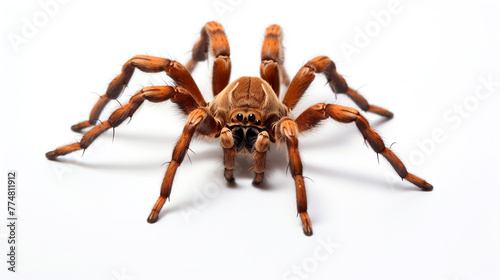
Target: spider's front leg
(287,131)
(149,64)
(200,121)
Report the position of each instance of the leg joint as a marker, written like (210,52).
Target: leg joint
(226,138)
(343,114)
(286,129)
(262,143)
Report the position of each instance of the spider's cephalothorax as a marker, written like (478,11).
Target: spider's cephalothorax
(247,107)
(246,114)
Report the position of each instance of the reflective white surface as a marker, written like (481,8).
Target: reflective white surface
(84,217)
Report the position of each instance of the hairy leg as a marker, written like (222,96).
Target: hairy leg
(213,40)
(325,65)
(199,121)
(149,64)
(312,116)
(272,58)
(227,142)
(287,132)
(178,95)
(261,146)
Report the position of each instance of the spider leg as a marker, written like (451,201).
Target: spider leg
(261,146)
(227,142)
(149,64)
(314,114)
(287,131)
(199,121)
(272,58)
(178,95)
(325,65)
(213,39)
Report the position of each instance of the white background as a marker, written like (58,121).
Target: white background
(84,217)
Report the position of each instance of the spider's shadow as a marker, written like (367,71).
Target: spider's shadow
(276,161)
(359,176)
(330,138)
(276,158)
(128,166)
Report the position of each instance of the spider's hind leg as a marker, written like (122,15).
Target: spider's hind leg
(272,69)
(213,40)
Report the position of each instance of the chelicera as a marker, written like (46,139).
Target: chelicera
(246,114)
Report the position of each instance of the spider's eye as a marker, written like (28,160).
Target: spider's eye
(257,122)
(239,117)
(251,117)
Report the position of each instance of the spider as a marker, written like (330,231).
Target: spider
(246,114)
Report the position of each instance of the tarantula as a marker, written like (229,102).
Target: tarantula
(246,114)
